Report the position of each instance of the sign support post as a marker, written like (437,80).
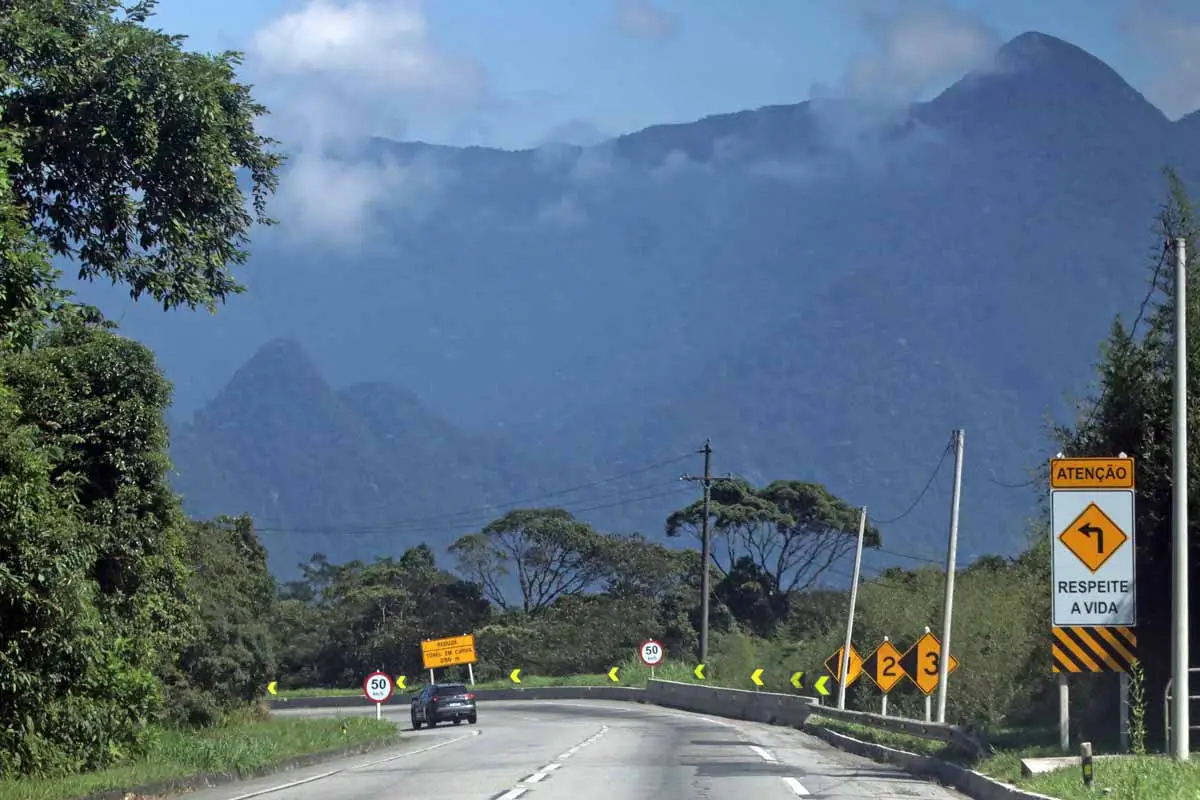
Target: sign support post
(1093,547)
(1124,712)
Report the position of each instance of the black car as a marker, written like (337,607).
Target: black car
(443,702)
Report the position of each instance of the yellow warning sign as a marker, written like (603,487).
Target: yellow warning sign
(1093,537)
(1091,473)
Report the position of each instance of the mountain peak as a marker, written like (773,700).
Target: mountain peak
(1033,47)
(1044,86)
(280,368)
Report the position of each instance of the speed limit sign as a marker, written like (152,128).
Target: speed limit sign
(378,687)
(651,653)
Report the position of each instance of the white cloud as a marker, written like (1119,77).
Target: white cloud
(383,43)
(337,73)
(331,201)
(1167,34)
(641,19)
(915,50)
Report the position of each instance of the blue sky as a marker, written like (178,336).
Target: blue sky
(525,70)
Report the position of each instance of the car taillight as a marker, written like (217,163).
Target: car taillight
(435,698)
(470,695)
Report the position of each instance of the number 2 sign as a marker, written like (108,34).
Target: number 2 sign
(883,667)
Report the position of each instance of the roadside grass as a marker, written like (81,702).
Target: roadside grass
(1152,776)
(631,674)
(236,748)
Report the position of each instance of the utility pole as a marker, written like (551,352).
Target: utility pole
(1180,718)
(845,666)
(705,545)
(951,558)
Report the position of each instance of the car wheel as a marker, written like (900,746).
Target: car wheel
(458,722)
(416,725)
(471,719)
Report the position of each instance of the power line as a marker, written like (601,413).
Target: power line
(1142,308)
(385,528)
(907,555)
(487,509)
(928,485)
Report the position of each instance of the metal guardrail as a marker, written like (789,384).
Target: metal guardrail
(1167,706)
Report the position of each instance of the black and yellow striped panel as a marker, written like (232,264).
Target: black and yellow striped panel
(1094,649)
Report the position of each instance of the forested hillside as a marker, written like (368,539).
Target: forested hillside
(823,292)
(126,624)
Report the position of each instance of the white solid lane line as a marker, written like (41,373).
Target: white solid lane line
(408,753)
(292,784)
(796,786)
(283,786)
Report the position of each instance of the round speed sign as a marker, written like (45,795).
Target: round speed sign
(378,687)
(652,653)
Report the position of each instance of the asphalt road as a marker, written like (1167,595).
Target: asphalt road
(594,750)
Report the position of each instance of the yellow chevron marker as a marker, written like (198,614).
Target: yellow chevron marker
(272,687)
(699,672)
(612,675)
(400,679)
(821,687)
(515,675)
(798,680)
(756,676)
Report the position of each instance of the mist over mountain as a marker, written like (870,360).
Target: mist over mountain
(826,289)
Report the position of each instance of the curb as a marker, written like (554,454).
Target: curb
(209,780)
(968,781)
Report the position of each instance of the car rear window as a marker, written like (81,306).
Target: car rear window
(451,689)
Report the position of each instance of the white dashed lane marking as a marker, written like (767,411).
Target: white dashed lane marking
(796,786)
(766,755)
(523,786)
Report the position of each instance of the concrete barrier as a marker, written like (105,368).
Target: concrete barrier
(482,695)
(769,707)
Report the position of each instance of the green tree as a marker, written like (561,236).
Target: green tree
(27,294)
(131,148)
(1132,413)
(792,531)
(230,658)
(549,553)
(92,402)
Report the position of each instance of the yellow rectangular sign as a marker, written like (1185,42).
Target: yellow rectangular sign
(448,652)
(1091,473)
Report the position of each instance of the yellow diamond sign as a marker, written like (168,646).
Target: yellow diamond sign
(1093,537)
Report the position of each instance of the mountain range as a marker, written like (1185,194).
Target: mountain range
(825,289)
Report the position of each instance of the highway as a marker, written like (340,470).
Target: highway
(588,750)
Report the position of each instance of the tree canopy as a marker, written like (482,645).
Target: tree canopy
(129,149)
